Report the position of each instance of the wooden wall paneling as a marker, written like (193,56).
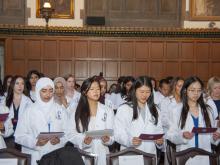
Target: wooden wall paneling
(96,7)
(33,49)
(156,50)
(141,50)
(111,69)
(65,49)
(202,51)
(95,67)
(96,49)
(18,67)
(126,50)
(65,67)
(50,68)
(50,49)
(187,69)
(8,56)
(215,71)
(33,64)
(172,50)
(18,48)
(126,68)
(141,68)
(12,11)
(202,70)
(157,69)
(111,49)
(81,69)
(81,48)
(187,50)
(172,68)
(215,51)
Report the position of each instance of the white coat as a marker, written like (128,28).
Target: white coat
(25,102)
(8,127)
(175,134)
(158,97)
(126,128)
(116,100)
(32,122)
(40,117)
(168,104)
(104,120)
(73,102)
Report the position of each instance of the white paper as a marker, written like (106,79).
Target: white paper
(100,133)
(200,160)
(50,135)
(8,161)
(131,160)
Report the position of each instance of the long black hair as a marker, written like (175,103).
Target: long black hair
(83,110)
(200,101)
(28,84)
(5,86)
(1,89)
(139,82)
(124,93)
(10,96)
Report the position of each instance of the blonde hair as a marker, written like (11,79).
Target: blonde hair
(210,84)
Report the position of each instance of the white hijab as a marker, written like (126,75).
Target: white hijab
(42,83)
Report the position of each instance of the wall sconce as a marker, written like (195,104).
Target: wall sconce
(46,12)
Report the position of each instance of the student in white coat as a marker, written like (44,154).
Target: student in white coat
(72,95)
(138,116)
(169,103)
(32,78)
(193,112)
(17,103)
(43,116)
(60,92)
(91,115)
(6,127)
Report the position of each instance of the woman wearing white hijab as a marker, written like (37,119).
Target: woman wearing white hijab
(43,116)
(60,91)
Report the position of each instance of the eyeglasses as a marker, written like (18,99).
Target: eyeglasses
(199,91)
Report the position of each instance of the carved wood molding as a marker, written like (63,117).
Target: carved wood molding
(110,31)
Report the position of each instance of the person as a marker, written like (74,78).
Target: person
(139,116)
(60,91)
(103,85)
(17,102)
(6,84)
(43,116)
(213,87)
(91,115)
(112,88)
(169,103)
(123,95)
(164,91)
(193,112)
(72,95)
(2,96)
(6,127)
(32,78)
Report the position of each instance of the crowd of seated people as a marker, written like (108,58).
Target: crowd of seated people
(130,107)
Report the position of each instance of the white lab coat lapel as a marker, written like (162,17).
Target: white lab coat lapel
(100,121)
(25,102)
(204,139)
